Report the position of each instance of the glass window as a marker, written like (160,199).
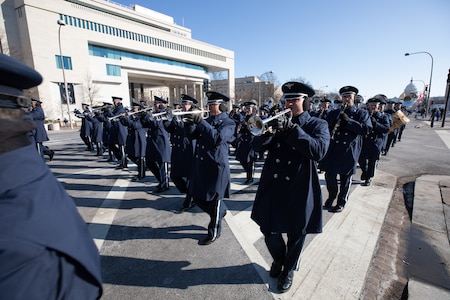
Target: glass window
(112,70)
(67,61)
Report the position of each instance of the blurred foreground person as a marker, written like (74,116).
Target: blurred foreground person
(289,199)
(46,250)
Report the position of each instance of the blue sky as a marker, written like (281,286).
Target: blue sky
(326,42)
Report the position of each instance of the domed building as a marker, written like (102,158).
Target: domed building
(409,95)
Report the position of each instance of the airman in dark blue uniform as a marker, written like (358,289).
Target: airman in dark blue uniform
(118,133)
(392,134)
(40,134)
(245,153)
(97,118)
(182,152)
(136,139)
(348,125)
(237,116)
(86,126)
(373,142)
(46,250)
(157,156)
(210,178)
(289,199)
(107,112)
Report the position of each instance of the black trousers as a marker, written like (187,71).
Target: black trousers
(215,211)
(248,168)
(159,170)
(368,166)
(181,183)
(333,189)
(287,254)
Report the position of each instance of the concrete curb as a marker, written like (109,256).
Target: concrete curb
(429,248)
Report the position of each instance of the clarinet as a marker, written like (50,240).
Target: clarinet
(338,122)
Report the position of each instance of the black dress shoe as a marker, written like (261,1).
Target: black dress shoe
(249,180)
(367,182)
(161,189)
(51,155)
(275,269)
(186,208)
(285,282)
(337,208)
(208,240)
(328,204)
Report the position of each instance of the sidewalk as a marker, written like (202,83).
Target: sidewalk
(429,248)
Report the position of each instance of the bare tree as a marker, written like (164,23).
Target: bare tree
(90,89)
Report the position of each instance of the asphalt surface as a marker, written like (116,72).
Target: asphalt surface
(149,251)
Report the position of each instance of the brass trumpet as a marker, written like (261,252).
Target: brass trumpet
(258,126)
(178,114)
(127,114)
(164,115)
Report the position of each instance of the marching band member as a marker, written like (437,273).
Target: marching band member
(289,199)
(373,142)
(136,142)
(157,154)
(118,134)
(182,152)
(348,126)
(210,178)
(244,152)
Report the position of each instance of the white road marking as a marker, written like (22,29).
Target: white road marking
(106,213)
(445,137)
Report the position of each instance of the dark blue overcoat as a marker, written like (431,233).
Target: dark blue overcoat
(40,134)
(289,198)
(182,149)
(118,132)
(45,245)
(244,151)
(136,141)
(210,177)
(158,142)
(86,125)
(374,141)
(97,127)
(345,148)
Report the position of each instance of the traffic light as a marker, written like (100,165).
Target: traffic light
(206,85)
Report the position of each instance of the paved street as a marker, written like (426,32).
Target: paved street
(150,252)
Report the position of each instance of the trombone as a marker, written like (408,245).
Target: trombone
(258,126)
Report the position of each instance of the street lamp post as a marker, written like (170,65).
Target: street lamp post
(61,23)
(431,76)
(325,86)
